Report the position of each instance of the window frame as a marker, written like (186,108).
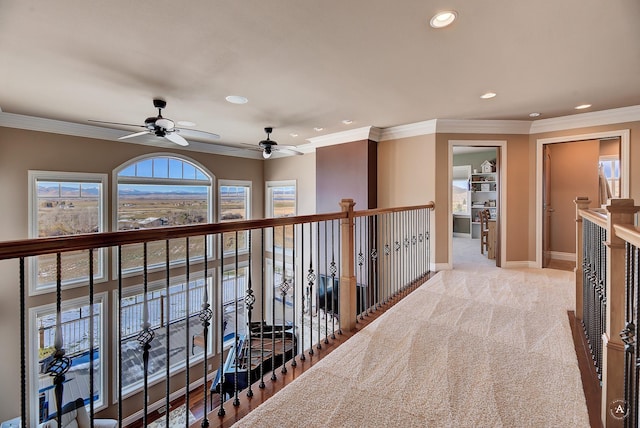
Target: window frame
(102,299)
(34,176)
(175,368)
(235,183)
(142,180)
(270,186)
(458,174)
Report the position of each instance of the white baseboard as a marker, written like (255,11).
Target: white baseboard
(437,267)
(557,255)
(524,264)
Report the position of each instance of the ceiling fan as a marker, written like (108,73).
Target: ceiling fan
(162,127)
(269,146)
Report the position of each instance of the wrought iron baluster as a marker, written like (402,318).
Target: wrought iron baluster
(236,342)
(119,337)
(91,338)
(23,346)
(262,307)
(311,279)
(187,330)
(326,286)
(336,292)
(273,304)
(303,293)
(145,336)
(205,318)
(319,345)
(284,289)
(360,263)
(249,300)
(374,263)
(221,411)
(167,330)
(293,298)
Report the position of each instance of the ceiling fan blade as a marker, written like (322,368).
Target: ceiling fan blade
(195,134)
(136,134)
(287,149)
(117,123)
(175,138)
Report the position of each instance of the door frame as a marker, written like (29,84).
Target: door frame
(502,207)
(624,136)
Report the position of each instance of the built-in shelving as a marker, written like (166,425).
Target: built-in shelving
(483,189)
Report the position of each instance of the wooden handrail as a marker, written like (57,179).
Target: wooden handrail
(40,246)
(595,215)
(376,211)
(629,233)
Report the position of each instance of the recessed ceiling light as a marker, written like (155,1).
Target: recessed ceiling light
(236,99)
(443,19)
(318,129)
(347,121)
(186,123)
(583,106)
(488,95)
(293,134)
(534,114)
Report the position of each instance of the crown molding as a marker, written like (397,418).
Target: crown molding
(39,124)
(410,130)
(358,134)
(584,120)
(483,126)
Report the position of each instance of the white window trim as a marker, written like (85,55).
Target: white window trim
(98,298)
(237,183)
(175,368)
(33,177)
(230,266)
(462,172)
(269,185)
(147,180)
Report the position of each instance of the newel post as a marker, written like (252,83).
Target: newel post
(619,211)
(582,203)
(347,272)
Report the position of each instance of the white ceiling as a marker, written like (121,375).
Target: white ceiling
(306,64)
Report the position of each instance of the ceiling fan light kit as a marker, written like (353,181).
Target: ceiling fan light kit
(269,146)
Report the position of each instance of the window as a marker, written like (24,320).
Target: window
(460,190)
(281,198)
(162,191)
(161,310)
(281,202)
(234,203)
(63,204)
(76,319)
(610,167)
(234,284)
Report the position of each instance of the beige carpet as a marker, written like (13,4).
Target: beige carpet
(471,348)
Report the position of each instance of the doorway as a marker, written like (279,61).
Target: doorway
(477,190)
(568,167)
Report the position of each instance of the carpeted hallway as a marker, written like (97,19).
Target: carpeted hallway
(477,346)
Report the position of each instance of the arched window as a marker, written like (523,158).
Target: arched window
(162,191)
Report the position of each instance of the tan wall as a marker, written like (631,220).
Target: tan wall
(406,176)
(517,186)
(634,161)
(21,151)
(299,168)
(573,172)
